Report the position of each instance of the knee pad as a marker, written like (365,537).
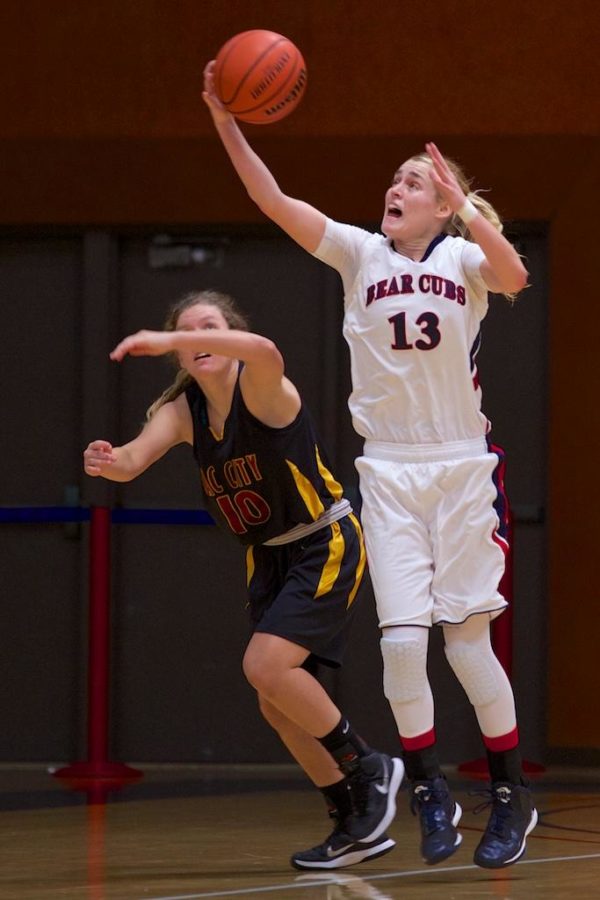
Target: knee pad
(404,669)
(476,672)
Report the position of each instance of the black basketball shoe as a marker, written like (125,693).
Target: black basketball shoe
(374,782)
(512,817)
(341,850)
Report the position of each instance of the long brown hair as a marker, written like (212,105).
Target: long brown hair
(232,315)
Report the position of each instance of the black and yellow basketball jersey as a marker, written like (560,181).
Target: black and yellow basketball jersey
(259,482)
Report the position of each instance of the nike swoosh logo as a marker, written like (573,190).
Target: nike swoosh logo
(333,853)
(384,787)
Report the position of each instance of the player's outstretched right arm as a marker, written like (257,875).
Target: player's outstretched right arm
(170,425)
(303,223)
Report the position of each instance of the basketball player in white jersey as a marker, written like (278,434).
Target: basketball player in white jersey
(431,482)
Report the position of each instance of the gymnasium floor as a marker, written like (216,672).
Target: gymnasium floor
(183,833)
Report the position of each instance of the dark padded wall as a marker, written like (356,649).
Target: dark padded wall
(179,624)
(41,568)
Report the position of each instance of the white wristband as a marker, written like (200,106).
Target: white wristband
(467,212)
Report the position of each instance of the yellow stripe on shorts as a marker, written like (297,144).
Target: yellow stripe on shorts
(331,569)
(362,559)
(313,502)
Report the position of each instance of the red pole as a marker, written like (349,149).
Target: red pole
(99,638)
(502,642)
(502,627)
(86,775)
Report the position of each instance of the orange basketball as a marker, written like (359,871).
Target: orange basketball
(260,76)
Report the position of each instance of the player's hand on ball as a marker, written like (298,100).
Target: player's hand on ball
(209,95)
(258,76)
(97,457)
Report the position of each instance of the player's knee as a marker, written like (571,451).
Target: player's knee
(476,671)
(404,669)
(258,672)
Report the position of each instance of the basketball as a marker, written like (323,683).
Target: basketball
(259,76)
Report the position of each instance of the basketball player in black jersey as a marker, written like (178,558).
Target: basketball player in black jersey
(266,481)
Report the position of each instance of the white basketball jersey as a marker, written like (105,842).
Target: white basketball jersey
(413,329)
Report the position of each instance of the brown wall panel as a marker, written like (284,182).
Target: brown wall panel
(135,181)
(575,492)
(108,68)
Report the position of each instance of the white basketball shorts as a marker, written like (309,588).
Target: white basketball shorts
(434,519)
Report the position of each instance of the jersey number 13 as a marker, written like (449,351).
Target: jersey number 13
(428,323)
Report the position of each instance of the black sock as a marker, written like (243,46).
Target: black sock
(505,766)
(337,798)
(422,765)
(345,745)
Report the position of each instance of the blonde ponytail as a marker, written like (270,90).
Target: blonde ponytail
(182,380)
(456,226)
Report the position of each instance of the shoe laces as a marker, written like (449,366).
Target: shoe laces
(359,793)
(339,833)
(428,801)
(501,813)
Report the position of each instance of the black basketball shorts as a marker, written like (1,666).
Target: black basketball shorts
(305,591)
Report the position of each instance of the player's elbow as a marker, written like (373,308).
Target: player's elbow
(267,208)
(519,279)
(271,204)
(266,348)
(266,351)
(514,279)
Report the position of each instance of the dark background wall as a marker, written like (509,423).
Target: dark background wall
(104,143)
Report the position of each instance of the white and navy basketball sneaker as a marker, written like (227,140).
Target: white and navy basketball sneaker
(438,816)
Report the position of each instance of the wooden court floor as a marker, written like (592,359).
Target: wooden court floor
(228,831)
